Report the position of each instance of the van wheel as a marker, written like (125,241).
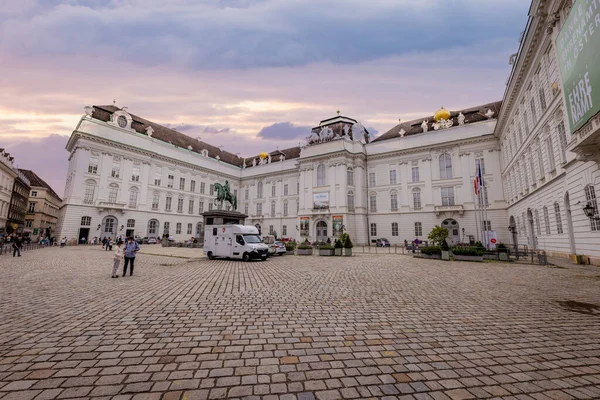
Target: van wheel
(263,258)
(210,255)
(246,257)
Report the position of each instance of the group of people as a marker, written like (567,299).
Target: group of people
(126,252)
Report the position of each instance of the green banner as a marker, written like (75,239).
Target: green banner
(578,46)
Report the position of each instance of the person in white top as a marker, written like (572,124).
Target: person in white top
(118,258)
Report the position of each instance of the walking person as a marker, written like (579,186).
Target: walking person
(131,248)
(118,258)
(16,245)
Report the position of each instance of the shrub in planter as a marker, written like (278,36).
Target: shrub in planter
(305,250)
(326,250)
(502,252)
(348,245)
(468,251)
(290,246)
(338,247)
(445,251)
(431,250)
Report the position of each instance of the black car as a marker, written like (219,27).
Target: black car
(382,242)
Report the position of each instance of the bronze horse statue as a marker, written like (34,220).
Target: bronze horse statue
(223,194)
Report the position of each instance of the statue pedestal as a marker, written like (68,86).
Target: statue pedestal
(223,217)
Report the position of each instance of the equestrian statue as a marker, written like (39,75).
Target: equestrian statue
(224,194)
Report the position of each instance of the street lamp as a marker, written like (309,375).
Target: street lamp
(512,229)
(590,211)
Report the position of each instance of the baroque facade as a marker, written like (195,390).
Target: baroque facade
(43,207)
(549,173)
(129,176)
(7,180)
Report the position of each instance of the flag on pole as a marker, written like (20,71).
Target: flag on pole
(476,185)
(480,175)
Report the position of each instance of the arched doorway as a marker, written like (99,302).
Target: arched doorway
(512,227)
(570,224)
(453,230)
(200,232)
(321,231)
(109,227)
(153,225)
(532,238)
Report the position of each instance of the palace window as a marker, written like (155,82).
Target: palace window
(590,198)
(116,169)
(152,227)
(416,198)
(559,227)
(392,176)
(93,165)
(211,189)
(285,190)
(415,174)
(179,205)
(202,187)
(394,229)
(191,207)
(157,177)
(486,225)
(181,183)
(321,181)
(155,200)
(480,163)
(562,140)
(372,181)
(273,209)
(550,150)
(168,203)
(189,229)
(259,190)
(284,230)
(448,196)
(285,208)
(273,190)
(170,179)
(546,220)
(192,186)
(113,193)
(445,166)
(542,99)
(373,202)
(86,221)
(533,111)
(259,209)
(271,230)
(350,176)
(351,201)
(31,209)
(90,189)
(373,229)
(166,227)
(178,228)
(538,225)
(418,229)
(246,194)
(394,201)
(131,223)
(246,208)
(135,174)
(201,207)
(133,197)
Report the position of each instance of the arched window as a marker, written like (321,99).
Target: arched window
(113,193)
(131,223)
(321,175)
(133,197)
(351,201)
(559,228)
(152,226)
(590,198)
(90,190)
(259,190)
(394,200)
(285,208)
(272,209)
(445,166)
(416,198)
(350,176)
(373,202)
(546,220)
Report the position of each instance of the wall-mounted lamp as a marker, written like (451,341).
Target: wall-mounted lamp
(512,229)
(591,212)
(122,226)
(98,228)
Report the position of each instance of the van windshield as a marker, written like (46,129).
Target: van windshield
(252,238)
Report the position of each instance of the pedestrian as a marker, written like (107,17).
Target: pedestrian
(63,242)
(131,248)
(118,258)
(109,244)
(83,240)
(16,245)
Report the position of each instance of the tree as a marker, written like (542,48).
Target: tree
(438,235)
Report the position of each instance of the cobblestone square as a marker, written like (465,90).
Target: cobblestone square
(295,328)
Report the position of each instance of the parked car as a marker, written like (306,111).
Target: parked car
(152,240)
(145,240)
(279,247)
(139,240)
(382,242)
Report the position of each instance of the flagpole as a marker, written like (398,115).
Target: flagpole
(475,208)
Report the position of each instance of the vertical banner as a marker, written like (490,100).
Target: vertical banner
(491,239)
(304,226)
(578,58)
(338,222)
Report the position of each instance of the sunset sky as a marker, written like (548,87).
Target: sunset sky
(248,75)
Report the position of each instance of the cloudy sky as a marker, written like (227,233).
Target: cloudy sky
(250,75)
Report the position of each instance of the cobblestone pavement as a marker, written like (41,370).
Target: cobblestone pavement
(295,327)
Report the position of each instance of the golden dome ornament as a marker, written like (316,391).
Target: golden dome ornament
(441,114)
(263,155)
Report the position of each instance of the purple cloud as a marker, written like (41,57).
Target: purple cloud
(284,131)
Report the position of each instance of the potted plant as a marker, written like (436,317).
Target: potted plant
(348,246)
(468,253)
(502,252)
(433,252)
(290,247)
(305,249)
(326,250)
(338,247)
(445,251)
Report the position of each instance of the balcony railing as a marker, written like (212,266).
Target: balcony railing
(111,204)
(456,207)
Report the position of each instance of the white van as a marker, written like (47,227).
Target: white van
(234,241)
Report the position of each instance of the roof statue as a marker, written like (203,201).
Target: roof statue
(89,110)
(402,132)
(149,131)
(244,164)
(489,113)
(425,126)
(346,130)
(326,134)
(254,162)
(461,118)
(358,132)
(313,138)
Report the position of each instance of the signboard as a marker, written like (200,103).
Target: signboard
(321,201)
(491,239)
(35,231)
(304,226)
(338,222)
(578,59)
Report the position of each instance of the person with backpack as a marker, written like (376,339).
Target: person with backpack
(131,248)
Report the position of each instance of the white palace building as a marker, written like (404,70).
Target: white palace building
(130,176)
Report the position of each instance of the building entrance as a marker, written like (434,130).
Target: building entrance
(321,231)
